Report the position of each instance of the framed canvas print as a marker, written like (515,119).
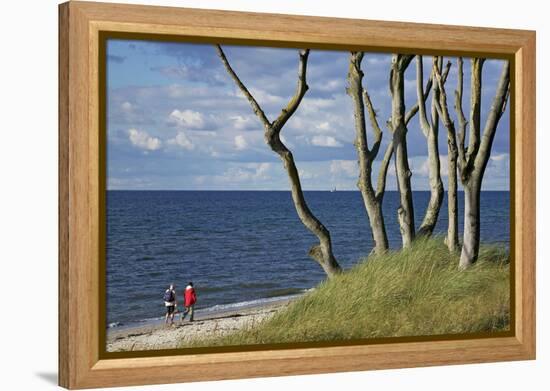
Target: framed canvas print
(247,195)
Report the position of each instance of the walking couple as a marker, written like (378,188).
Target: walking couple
(170,302)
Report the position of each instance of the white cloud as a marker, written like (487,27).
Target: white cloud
(420,165)
(126,106)
(500,157)
(326,141)
(423,169)
(182,140)
(241,173)
(323,126)
(305,174)
(241,122)
(348,168)
(499,165)
(262,169)
(264,97)
(187,118)
(317,105)
(211,115)
(141,139)
(240,142)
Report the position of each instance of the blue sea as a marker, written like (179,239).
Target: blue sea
(243,247)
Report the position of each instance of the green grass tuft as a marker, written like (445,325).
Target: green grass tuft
(413,292)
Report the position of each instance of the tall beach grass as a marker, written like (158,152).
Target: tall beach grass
(414,292)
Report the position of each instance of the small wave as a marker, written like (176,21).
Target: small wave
(218,308)
(251,303)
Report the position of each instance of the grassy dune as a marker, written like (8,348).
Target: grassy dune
(418,291)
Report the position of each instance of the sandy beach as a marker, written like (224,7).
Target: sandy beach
(158,336)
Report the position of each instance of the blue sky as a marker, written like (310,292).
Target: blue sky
(176,120)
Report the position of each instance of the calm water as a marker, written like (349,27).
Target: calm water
(242,246)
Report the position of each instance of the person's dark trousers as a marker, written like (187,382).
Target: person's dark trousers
(189,310)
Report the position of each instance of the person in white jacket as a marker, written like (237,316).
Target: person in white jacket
(170,304)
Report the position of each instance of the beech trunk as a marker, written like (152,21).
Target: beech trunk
(371,199)
(405,211)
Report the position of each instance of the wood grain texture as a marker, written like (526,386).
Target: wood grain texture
(63,199)
(525,191)
(79,188)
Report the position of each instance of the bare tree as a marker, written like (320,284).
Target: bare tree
(398,126)
(473,160)
(431,132)
(452,156)
(371,198)
(322,252)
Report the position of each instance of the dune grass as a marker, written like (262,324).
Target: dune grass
(417,291)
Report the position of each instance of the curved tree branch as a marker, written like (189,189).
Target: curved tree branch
(383,173)
(301,90)
(461,118)
(452,199)
(255,106)
(322,252)
(414,109)
(374,123)
(475,115)
(424,124)
(497,110)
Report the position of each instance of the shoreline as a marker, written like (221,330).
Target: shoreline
(156,335)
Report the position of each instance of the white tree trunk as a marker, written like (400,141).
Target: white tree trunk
(470,246)
(431,132)
(452,202)
(378,227)
(474,159)
(436,185)
(322,252)
(371,199)
(405,212)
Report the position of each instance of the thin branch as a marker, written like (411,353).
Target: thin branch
(255,106)
(497,109)
(354,89)
(301,90)
(383,173)
(435,97)
(414,109)
(374,123)
(475,113)
(424,124)
(443,110)
(403,61)
(505,101)
(441,105)
(361,99)
(460,113)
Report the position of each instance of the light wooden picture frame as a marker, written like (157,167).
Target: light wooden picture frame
(82,160)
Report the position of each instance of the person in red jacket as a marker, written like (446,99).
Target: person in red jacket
(189,300)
